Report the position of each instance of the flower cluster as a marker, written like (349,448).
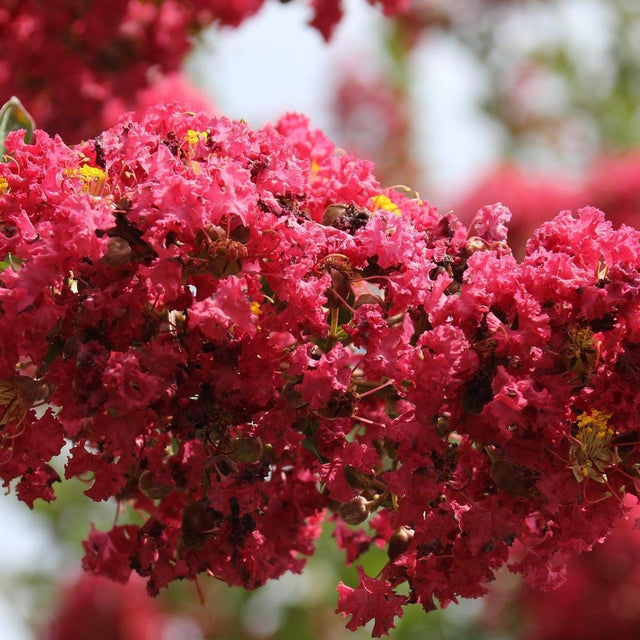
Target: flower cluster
(75,63)
(239,331)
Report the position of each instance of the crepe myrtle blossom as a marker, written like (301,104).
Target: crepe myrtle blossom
(74,64)
(241,331)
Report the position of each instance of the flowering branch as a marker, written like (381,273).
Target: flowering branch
(238,331)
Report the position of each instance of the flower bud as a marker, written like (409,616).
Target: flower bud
(43,391)
(198,521)
(268,453)
(332,213)
(399,542)
(246,449)
(215,232)
(150,488)
(476,243)
(118,252)
(27,390)
(355,511)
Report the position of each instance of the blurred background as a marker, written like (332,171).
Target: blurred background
(534,103)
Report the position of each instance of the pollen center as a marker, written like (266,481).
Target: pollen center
(590,453)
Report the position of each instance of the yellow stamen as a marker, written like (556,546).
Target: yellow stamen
(590,452)
(93,178)
(255,308)
(384,202)
(193,137)
(315,169)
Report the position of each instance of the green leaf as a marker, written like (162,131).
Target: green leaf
(310,446)
(10,261)
(13,117)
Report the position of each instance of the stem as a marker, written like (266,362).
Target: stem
(367,421)
(201,597)
(334,323)
(378,388)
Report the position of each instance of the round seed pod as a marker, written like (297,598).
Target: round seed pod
(118,252)
(399,542)
(355,511)
(150,488)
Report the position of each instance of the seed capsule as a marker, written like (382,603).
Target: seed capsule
(198,522)
(355,511)
(118,252)
(399,542)
(332,213)
(150,488)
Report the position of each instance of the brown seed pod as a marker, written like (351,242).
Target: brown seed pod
(198,521)
(26,389)
(332,213)
(399,542)
(118,252)
(355,511)
(150,488)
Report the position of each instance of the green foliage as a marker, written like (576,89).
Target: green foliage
(13,117)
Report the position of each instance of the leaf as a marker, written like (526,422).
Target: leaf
(13,117)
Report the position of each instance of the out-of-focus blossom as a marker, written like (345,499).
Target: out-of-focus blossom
(373,120)
(328,13)
(613,185)
(71,62)
(67,59)
(600,598)
(96,608)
